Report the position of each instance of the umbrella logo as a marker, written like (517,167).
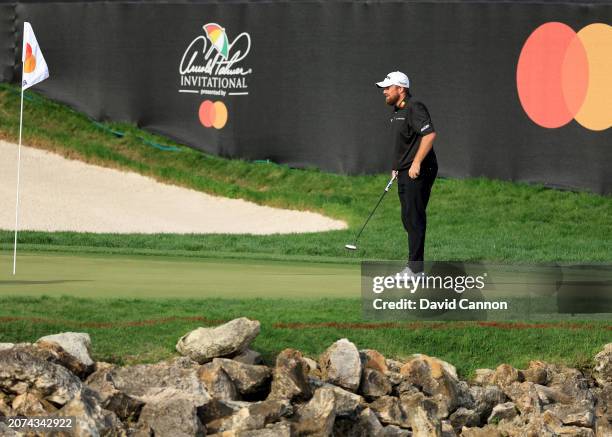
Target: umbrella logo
(218,38)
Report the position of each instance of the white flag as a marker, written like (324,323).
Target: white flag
(34,66)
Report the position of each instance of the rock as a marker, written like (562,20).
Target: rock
(395,378)
(252,416)
(464,417)
(525,397)
(73,350)
(395,431)
(548,395)
(347,404)
(4,346)
(393,365)
(313,367)
(536,372)
(390,411)
(249,356)
(290,377)
(502,411)
(603,410)
(374,384)
(603,366)
(145,393)
(487,431)
(5,431)
(170,413)
(91,419)
(372,359)
(317,417)
(231,338)
(506,375)
(580,414)
(247,378)
(22,371)
(447,429)
(124,406)
(218,384)
(27,404)
(570,382)
(483,377)
(485,398)
(436,379)
(422,415)
(340,365)
(280,429)
(366,425)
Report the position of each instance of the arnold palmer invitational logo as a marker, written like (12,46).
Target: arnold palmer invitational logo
(212,65)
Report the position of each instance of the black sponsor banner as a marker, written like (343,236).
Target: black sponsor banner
(294,82)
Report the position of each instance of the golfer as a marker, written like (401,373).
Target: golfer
(414,162)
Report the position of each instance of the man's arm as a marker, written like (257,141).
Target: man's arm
(424,148)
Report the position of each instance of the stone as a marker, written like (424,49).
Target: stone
(249,356)
(464,417)
(393,365)
(537,372)
(374,384)
(73,350)
(4,346)
(313,367)
(447,429)
(316,418)
(252,416)
(247,378)
(390,411)
(347,404)
(290,377)
(436,379)
(603,410)
(91,419)
(170,413)
(231,338)
(218,384)
(365,425)
(22,371)
(603,366)
(506,411)
(548,395)
(525,397)
(422,416)
(395,378)
(487,431)
(580,414)
(395,431)
(27,404)
(571,383)
(506,375)
(340,365)
(372,359)
(483,377)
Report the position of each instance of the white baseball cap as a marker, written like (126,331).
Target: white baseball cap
(395,78)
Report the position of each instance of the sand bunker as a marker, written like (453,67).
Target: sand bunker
(58,194)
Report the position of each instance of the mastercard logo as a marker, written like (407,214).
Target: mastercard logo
(563,75)
(213,114)
(29,64)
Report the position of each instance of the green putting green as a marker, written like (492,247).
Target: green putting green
(82,275)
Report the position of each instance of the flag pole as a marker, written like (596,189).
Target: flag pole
(18,171)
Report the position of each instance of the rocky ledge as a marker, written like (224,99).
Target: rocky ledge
(220,387)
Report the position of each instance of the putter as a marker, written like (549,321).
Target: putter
(354,245)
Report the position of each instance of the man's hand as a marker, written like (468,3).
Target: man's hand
(394,174)
(415,170)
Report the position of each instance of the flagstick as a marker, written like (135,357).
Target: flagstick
(18,168)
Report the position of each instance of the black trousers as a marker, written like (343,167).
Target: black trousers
(414,196)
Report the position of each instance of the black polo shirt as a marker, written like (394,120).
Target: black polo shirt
(408,125)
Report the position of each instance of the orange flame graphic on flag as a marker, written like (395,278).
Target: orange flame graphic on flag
(30,61)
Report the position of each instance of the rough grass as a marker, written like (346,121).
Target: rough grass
(469,220)
(126,331)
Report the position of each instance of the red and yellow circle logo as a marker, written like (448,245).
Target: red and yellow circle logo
(213,114)
(563,75)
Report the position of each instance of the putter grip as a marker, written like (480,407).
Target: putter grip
(390,183)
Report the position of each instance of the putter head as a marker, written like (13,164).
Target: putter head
(350,246)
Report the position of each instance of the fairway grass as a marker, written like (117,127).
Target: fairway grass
(129,331)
